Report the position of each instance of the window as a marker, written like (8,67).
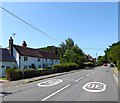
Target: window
(45,60)
(7,67)
(25,58)
(2,66)
(55,60)
(38,59)
(25,67)
(39,66)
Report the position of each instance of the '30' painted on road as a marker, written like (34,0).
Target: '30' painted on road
(94,87)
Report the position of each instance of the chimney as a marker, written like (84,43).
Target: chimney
(53,49)
(11,46)
(24,44)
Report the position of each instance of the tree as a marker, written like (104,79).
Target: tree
(113,53)
(102,59)
(69,52)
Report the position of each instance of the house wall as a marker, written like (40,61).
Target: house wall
(29,62)
(32,60)
(16,56)
(38,64)
(4,65)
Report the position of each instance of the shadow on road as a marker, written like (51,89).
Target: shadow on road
(89,68)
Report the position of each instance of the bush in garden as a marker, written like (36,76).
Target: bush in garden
(40,69)
(13,74)
(28,73)
(64,67)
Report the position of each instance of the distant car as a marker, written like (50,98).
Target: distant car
(112,65)
(105,64)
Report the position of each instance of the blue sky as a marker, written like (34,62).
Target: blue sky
(92,25)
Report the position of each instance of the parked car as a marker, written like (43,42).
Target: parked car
(105,64)
(112,65)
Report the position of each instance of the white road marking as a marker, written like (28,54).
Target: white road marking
(115,78)
(94,87)
(50,82)
(55,92)
(87,75)
(79,79)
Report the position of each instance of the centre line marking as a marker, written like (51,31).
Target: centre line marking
(87,75)
(55,92)
(79,79)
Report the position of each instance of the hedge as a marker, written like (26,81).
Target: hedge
(16,74)
(64,67)
(13,74)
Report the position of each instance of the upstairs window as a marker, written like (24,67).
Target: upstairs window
(2,66)
(45,60)
(38,59)
(25,58)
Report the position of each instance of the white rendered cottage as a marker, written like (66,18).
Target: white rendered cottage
(6,61)
(31,58)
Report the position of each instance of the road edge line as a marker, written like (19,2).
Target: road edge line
(115,77)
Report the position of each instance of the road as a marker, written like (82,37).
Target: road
(70,87)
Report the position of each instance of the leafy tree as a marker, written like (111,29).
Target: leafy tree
(69,52)
(113,53)
(102,59)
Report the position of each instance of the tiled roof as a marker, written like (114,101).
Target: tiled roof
(25,51)
(5,55)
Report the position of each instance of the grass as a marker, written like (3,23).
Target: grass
(3,78)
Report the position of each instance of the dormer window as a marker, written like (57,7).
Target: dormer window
(25,58)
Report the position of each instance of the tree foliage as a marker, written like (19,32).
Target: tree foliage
(112,54)
(69,52)
(102,59)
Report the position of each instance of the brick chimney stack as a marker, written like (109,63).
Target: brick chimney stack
(24,44)
(11,46)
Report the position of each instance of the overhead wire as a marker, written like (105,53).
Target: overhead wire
(29,24)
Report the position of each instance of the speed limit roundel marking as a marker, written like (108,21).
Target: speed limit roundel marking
(95,87)
(50,82)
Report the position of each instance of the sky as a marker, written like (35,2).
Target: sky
(93,26)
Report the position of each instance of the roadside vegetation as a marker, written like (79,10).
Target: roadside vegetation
(112,54)
(71,58)
(70,52)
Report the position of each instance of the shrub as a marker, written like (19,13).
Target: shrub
(9,70)
(89,64)
(28,73)
(64,67)
(40,69)
(13,74)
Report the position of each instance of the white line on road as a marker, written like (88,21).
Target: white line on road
(79,79)
(55,92)
(115,77)
(87,75)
